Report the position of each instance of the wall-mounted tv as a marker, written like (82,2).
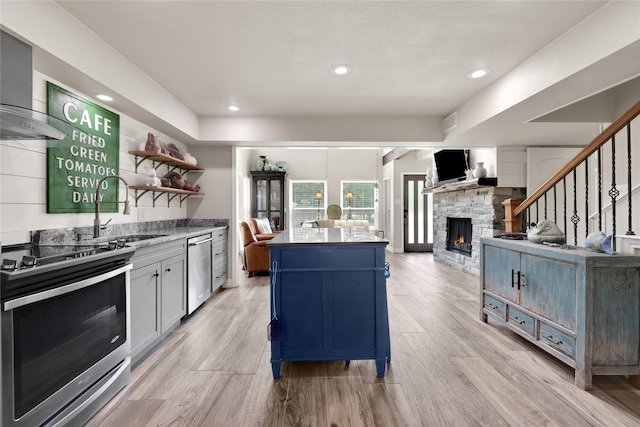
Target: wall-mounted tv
(451,165)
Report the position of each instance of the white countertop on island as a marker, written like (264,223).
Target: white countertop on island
(333,236)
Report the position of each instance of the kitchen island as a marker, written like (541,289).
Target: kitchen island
(328,292)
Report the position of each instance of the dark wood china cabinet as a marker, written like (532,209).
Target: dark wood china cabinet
(268,197)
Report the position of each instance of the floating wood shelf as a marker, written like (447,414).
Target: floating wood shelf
(159,191)
(165,159)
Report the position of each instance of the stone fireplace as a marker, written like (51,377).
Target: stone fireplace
(481,207)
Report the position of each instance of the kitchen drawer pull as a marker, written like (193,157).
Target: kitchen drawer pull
(491,306)
(551,340)
(518,321)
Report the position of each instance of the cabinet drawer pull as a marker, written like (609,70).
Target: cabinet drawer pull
(156,274)
(518,321)
(168,270)
(551,340)
(491,306)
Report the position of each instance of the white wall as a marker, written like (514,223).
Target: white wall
(411,164)
(333,165)
(23,179)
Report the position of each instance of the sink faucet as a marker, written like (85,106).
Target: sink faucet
(126,211)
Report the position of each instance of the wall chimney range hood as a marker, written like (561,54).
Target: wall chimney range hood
(17,119)
(23,123)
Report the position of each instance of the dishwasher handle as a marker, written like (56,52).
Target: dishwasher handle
(201,242)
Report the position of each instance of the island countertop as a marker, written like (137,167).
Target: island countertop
(333,236)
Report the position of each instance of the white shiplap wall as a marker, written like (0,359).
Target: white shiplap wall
(23,180)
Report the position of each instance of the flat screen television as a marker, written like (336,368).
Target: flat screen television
(451,165)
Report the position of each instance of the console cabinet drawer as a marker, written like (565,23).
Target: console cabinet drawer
(557,340)
(520,320)
(495,307)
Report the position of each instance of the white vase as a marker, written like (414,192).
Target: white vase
(480,171)
(428,179)
(261,163)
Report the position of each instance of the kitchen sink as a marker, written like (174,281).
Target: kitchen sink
(139,237)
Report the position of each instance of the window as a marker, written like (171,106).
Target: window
(360,201)
(304,204)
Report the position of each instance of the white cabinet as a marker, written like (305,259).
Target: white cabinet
(219,258)
(158,294)
(511,166)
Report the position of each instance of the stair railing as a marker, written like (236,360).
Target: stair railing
(571,196)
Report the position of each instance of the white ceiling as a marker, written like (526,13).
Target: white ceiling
(273,58)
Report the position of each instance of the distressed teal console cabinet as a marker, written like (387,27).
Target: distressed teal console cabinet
(582,307)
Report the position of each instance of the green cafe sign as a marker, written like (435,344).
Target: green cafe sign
(89,152)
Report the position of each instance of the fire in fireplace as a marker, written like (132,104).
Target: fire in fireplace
(459,235)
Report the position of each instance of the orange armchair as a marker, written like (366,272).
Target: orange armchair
(261,228)
(256,253)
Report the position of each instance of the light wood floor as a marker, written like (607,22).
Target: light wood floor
(448,369)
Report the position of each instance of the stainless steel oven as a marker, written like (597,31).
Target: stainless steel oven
(64,336)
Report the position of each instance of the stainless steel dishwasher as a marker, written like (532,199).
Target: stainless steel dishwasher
(198,271)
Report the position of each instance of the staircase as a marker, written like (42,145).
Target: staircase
(596,190)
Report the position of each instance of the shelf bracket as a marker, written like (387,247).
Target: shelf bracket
(170,198)
(138,196)
(139,162)
(156,198)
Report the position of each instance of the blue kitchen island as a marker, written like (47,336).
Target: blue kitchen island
(329,295)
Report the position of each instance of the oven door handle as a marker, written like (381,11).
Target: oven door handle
(51,293)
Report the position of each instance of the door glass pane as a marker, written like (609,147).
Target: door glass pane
(429,218)
(420,212)
(411,213)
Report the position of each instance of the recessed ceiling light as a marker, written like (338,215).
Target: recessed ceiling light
(476,74)
(233,107)
(341,70)
(104,97)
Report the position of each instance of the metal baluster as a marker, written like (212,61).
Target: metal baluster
(545,205)
(555,205)
(586,197)
(575,219)
(613,192)
(564,215)
(629,187)
(599,192)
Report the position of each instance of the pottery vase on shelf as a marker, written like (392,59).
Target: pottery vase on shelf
(428,179)
(480,171)
(261,162)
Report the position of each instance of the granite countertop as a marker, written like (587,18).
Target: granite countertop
(162,231)
(333,236)
(173,234)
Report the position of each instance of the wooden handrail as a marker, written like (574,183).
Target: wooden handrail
(598,142)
